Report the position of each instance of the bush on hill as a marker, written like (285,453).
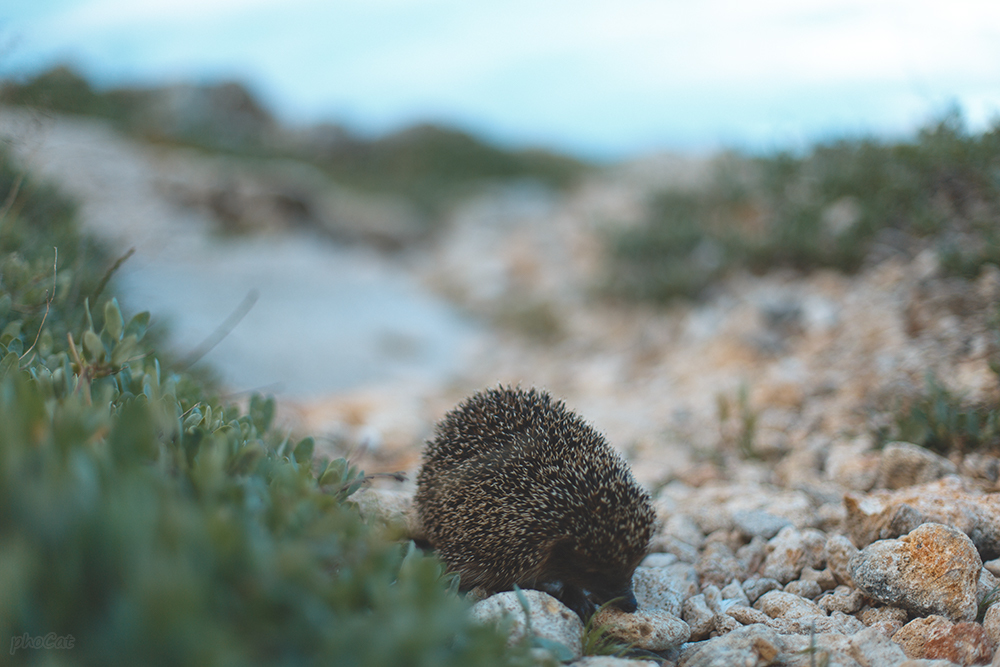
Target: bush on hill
(837,206)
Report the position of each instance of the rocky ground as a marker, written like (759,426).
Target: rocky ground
(788,537)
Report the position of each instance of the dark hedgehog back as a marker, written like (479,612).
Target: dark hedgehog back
(516,489)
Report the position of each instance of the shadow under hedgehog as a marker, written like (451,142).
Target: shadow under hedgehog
(516,489)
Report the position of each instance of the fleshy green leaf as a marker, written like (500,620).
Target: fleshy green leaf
(8,363)
(113,322)
(137,325)
(124,350)
(93,346)
(334,473)
(304,450)
(13,329)
(261,412)
(86,311)
(246,460)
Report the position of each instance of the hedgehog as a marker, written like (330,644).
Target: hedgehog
(516,490)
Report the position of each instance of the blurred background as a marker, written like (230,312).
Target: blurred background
(599,80)
(655,209)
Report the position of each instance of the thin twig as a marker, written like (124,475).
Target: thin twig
(83,369)
(37,335)
(48,301)
(188,411)
(72,349)
(399,476)
(110,272)
(216,337)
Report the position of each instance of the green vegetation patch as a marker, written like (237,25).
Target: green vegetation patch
(828,208)
(63,90)
(431,164)
(144,521)
(944,422)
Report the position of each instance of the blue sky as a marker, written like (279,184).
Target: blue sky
(600,78)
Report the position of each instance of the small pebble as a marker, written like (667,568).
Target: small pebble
(717,564)
(713,598)
(757,586)
(758,523)
(886,620)
(658,560)
(839,552)
(873,649)
(725,623)
(747,615)
(825,578)
(612,661)
(751,555)
(734,592)
(779,604)
(843,598)
(792,550)
(699,617)
(803,588)
(988,587)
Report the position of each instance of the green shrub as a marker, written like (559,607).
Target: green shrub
(431,165)
(827,208)
(945,423)
(150,523)
(62,89)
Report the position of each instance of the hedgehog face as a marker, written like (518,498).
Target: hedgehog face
(604,587)
(603,581)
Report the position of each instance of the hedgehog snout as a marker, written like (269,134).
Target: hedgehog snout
(626,601)
(614,589)
(622,598)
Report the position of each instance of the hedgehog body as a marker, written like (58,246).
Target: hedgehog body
(515,489)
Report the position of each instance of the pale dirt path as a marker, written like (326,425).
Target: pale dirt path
(327,317)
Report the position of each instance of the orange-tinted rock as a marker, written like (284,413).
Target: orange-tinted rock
(886,514)
(991,623)
(937,638)
(933,570)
